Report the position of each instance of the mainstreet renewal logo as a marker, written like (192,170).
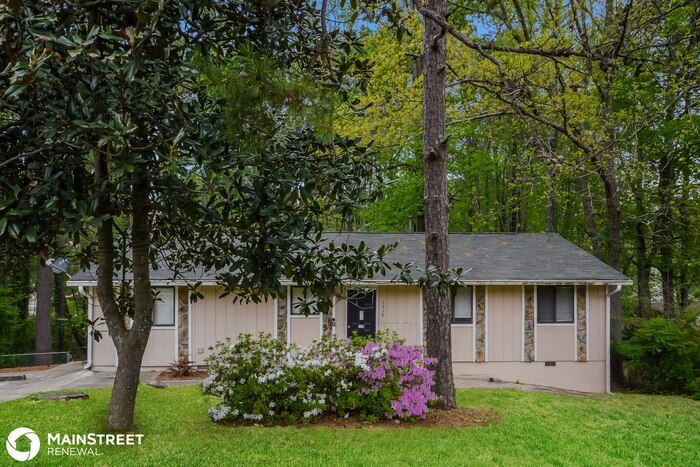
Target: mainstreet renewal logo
(34,444)
(60,444)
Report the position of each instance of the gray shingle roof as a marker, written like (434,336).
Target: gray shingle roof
(489,257)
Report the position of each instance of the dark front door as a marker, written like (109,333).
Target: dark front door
(362,312)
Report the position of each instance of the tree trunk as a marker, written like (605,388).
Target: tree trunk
(589,214)
(59,298)
(130,352)
(436,202)
(43,313)
(643,267)
(614,247)
(664,230)
(130,343)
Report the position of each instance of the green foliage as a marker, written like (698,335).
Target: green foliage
(17,332)
(664,355)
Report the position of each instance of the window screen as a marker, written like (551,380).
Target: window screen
(555,304)
(462,305)
(298,296)
(164,307)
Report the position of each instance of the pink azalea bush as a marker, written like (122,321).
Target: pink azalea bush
(265,379)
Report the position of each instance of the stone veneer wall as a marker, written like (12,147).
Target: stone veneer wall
(328,324)
(480,327)
(581,325)
(529,341)
(183,332)
(282,317)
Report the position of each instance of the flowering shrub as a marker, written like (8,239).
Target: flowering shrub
(265,379)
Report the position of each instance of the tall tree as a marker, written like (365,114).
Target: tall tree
(44,281)
(436,202)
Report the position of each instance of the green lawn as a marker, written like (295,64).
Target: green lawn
(533,429)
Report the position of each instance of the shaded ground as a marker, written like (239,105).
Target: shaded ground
(455,418)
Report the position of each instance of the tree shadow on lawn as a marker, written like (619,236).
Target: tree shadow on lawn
(437,418)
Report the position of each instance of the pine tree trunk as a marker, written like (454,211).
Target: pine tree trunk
(43,313)
(436,202)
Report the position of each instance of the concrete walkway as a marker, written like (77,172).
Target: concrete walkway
(483,382)
(68,376)
(73,376)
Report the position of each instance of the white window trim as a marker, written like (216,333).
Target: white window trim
(299,315)
(486,323)
(575,323)
(556,323)
(463,325)
(167,327)
(522,322)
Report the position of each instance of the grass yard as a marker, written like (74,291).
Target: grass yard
(533,429)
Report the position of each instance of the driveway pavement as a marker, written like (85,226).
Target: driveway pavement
(68,376)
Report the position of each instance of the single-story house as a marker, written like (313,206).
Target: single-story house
(533,308)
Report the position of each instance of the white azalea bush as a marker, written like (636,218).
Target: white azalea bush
(265,379)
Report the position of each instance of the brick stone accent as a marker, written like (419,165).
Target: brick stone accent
(480,291)
(581,325)
(529,343)
(328,324)
(282,317)
(183,330)
(424,295)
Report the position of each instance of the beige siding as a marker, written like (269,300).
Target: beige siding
(462,343)
(104,354)
(341,322)
(160,350)
(304,330)
(596,323)
(214,319)
(398,309)
(504,323)
(555,342)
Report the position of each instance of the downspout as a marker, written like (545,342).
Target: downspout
(88,364)
(608,294)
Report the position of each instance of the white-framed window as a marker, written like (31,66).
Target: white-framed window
(300,295)
(164,306)
(555,304)
(462,312)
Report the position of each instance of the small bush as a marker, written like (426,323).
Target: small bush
(265,379)
(664,355)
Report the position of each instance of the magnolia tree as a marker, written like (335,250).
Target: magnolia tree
(187,134)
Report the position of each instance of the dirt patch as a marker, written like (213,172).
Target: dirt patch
(21,369)
(170,376)
(453,418)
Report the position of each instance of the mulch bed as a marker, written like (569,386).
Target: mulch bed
(26,368)
(170,376)
(452,418)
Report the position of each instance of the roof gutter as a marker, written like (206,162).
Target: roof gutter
(614,291)
(88,363)
(619,284)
